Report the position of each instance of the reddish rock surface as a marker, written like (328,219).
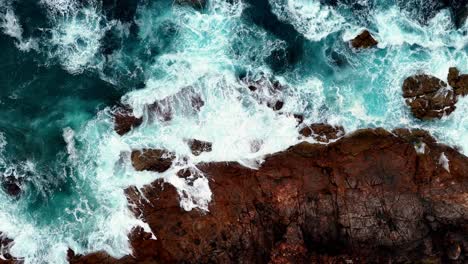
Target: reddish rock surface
(367,198)
(364,40)
(322,132)
(428,97)
(198,146)
(152,159)
(124,120)
(459,82)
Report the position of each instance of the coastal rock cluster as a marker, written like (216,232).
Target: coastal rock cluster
(429,97)
(372,196)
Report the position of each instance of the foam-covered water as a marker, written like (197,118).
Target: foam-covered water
(67,62)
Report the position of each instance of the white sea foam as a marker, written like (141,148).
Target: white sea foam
(76,39)
(310,18)
(12,28)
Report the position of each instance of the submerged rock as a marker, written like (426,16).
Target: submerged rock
(365,198)
(12,186)
(364,40)
(322,132)
(459,82)
(197,4)
(152,160)
(198,146)
(124,120)
(428,96)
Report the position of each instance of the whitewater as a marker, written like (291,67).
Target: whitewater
(65,64)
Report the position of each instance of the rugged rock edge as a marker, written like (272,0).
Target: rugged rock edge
(371,197)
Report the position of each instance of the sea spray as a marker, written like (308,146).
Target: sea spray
(59,137)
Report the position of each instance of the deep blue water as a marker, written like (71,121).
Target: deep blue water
(65,63)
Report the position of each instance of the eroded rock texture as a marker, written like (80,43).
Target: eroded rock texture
(124,120)
(364,40)
(428,97)
(370,197)
(459,82)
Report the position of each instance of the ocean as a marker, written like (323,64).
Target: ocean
(64,65)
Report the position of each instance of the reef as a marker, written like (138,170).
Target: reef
(372,196)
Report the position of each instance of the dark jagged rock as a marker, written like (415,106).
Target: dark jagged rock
(152,160)
(428,96)
(186,100)
(322,132)
(124,120)
(364,40)
(12,186)
(276,106)
(459,82)
(198,146)
(368,198)
(266,90)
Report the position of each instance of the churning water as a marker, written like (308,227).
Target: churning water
(65,63)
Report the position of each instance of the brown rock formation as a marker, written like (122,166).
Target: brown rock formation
(364,40)
(152,160)
(124,120)
(198,146)
(428,96)
(322,132)
(368,198)
(458,82)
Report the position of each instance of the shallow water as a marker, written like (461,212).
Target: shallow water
(65,63)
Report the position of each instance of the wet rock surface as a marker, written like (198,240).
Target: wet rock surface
(363,41)
(152,160)
(124,120)
(12,186)
(322,132)
(369,197)
(198,146)
(459,82)
(428,97)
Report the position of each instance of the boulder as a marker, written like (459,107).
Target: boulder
(199,146)
(364,40)
(459,82)
(428,97)
(322,132)
(124,120)
(152,160)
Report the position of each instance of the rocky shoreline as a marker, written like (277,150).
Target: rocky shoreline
(370,197)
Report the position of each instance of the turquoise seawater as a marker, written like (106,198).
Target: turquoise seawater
(65,63)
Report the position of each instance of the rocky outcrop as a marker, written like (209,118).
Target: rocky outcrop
(152,159)
(372,196)
(459,82)
(198,146)
(428,97)
(364,41)
(187,101)
(124,120)
(12,186)
(267,91)
(322,132)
